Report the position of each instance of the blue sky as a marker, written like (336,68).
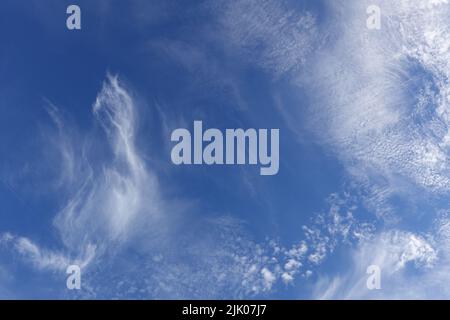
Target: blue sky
(86,176)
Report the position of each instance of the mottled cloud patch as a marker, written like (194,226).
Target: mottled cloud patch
(384,104)
(410,264)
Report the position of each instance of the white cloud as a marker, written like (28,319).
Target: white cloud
(269,32)
(125,188)
(292,264)
(107,200)
(268,278)
(287,278)
(112,200)
(336,227)
(383,106)
(43,259)
(377,99)
(392,251)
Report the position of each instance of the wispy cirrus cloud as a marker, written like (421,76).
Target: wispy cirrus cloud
(412,265)
(112,201)
(43,259)
(103,196)
(270,33)
(378,100)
